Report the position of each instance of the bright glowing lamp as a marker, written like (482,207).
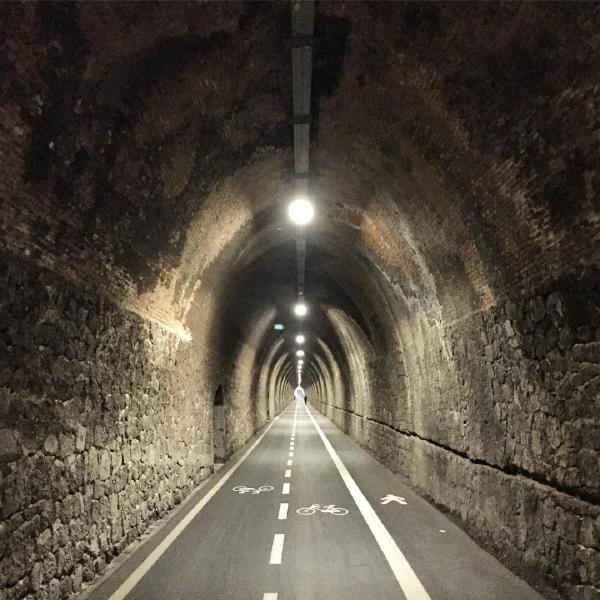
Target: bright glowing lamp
(300,309)
(301,211)
(300,353)
(300,339)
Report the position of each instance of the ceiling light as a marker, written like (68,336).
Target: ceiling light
(300,339)
(300,353)
(279,327)
(300,309)
(301,211)
(300,362)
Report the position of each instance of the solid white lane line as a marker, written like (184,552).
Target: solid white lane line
(409,582)
(270,596)
(277,549)
(288,473)
(289,462)
(286,488)
(146,565)
(283,511)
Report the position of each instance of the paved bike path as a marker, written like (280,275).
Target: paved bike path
(449,563)
(226,549)
(328,556)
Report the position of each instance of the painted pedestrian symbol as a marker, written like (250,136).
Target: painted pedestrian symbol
(242,489)
(332,509)
(391,498)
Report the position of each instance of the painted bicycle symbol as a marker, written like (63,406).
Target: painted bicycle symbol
(242,489)
(332,509)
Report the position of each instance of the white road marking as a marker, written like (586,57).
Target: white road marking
(283,511)
(288,473)
(277,549)
(269,596)
(332,509)
(286,488)
(291,454)
(289,462)
(135,577)
(391,498)
(407,579)
(242,489)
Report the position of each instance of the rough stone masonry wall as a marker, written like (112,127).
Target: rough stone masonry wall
(102,430)
(508,437)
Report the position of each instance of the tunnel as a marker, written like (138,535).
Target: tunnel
(436,433)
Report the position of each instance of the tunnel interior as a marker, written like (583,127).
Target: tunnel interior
(452,268)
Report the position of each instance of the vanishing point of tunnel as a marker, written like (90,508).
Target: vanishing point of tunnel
(300,300)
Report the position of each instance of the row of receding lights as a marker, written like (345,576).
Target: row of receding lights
(301,212)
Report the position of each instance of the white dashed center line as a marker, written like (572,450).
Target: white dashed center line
(286,488)
(270,596)
(288,473)
(289,462)
(283,511)
(277,549)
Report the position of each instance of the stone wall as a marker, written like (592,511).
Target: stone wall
(102,430)
(501,427)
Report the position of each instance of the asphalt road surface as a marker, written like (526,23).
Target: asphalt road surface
(304,513)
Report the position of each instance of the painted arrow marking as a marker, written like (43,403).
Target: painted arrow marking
(391,498)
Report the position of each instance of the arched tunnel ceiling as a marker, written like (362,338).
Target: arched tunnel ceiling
(164,177)
(452,266)
(150,124)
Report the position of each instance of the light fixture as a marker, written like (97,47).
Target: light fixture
(301,211)
(279,327)
(300,353)
(300,339)
(300,362)
(300,309)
